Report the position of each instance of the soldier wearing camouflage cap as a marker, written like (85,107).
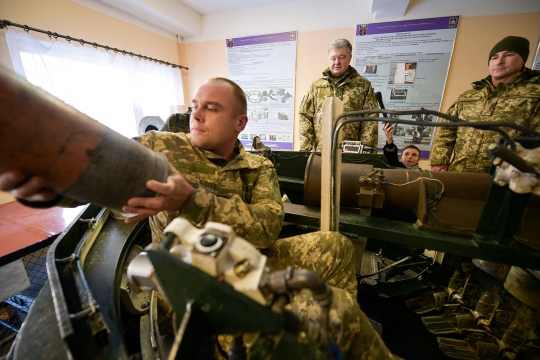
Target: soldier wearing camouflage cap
(214,179)
(343,81)
(510,93)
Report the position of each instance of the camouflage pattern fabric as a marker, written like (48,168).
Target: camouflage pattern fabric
(356,93)
(243,193)
(516,102)
(349,326)
(329,254)
(178,123)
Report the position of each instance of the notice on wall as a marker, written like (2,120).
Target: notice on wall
(264,67)
(536,63)
(407,61)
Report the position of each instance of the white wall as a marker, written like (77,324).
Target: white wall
(310,15)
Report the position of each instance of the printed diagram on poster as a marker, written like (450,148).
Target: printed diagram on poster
(407,61)
(264,67)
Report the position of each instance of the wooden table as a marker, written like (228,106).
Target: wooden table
(24,230)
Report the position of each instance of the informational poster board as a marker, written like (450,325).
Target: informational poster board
(536,63)
(264,66)
(407,61)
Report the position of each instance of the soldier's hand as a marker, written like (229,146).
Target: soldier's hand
(172,195)
(389,132)
(439,167)
(29,188)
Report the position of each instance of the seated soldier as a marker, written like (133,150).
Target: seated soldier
(212,178)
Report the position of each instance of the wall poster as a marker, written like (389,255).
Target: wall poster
(264,66)
(536,63)
(407,61)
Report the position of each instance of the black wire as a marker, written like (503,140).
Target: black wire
(454,121)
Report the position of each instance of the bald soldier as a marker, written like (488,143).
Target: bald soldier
(212,178)
(217,180)
(510,93)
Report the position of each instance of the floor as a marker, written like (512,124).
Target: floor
(403,331)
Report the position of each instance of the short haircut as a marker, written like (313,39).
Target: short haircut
(238,93)
(411,147)
(339,43)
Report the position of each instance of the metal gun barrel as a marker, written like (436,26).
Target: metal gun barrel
(77,156)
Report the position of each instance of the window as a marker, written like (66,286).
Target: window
(116,90)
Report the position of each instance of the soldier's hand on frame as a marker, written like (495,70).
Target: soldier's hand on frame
(439,167)
(29,188)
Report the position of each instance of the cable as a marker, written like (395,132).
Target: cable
(438,196)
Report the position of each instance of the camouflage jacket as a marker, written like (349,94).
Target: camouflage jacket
(516,102)
(243,193)
(355,92)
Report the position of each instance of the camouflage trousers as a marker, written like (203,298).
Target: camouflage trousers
(331,256)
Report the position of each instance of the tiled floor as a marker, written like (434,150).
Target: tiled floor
(24,233)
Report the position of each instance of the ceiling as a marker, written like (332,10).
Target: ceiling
(205,7)
(185,18)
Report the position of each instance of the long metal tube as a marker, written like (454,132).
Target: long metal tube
(77,156)
(470,186)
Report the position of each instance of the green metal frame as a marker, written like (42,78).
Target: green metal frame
(492,241)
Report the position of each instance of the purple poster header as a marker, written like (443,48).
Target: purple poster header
(274,145)
(440,23)
(261,39)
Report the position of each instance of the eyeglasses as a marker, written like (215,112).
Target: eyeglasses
(340,58)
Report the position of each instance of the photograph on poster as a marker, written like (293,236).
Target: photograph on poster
(402,73)
(413,134)
(398,94)
(370,69)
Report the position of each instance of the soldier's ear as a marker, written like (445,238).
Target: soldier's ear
(241,122)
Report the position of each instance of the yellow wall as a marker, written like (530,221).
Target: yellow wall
(475,37)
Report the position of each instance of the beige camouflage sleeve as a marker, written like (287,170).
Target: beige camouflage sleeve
(445,139)
(535,118)
(259,222)
(369,131)
(307,127)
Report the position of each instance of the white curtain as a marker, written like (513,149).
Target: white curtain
(114,89)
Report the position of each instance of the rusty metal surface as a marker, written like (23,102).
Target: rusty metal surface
(469,186)
(460,207)
(75,155)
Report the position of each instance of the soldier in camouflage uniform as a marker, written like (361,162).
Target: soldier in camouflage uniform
(511,93)
(215,179)
(342,81)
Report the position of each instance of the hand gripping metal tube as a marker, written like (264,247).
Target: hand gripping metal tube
(77,156)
